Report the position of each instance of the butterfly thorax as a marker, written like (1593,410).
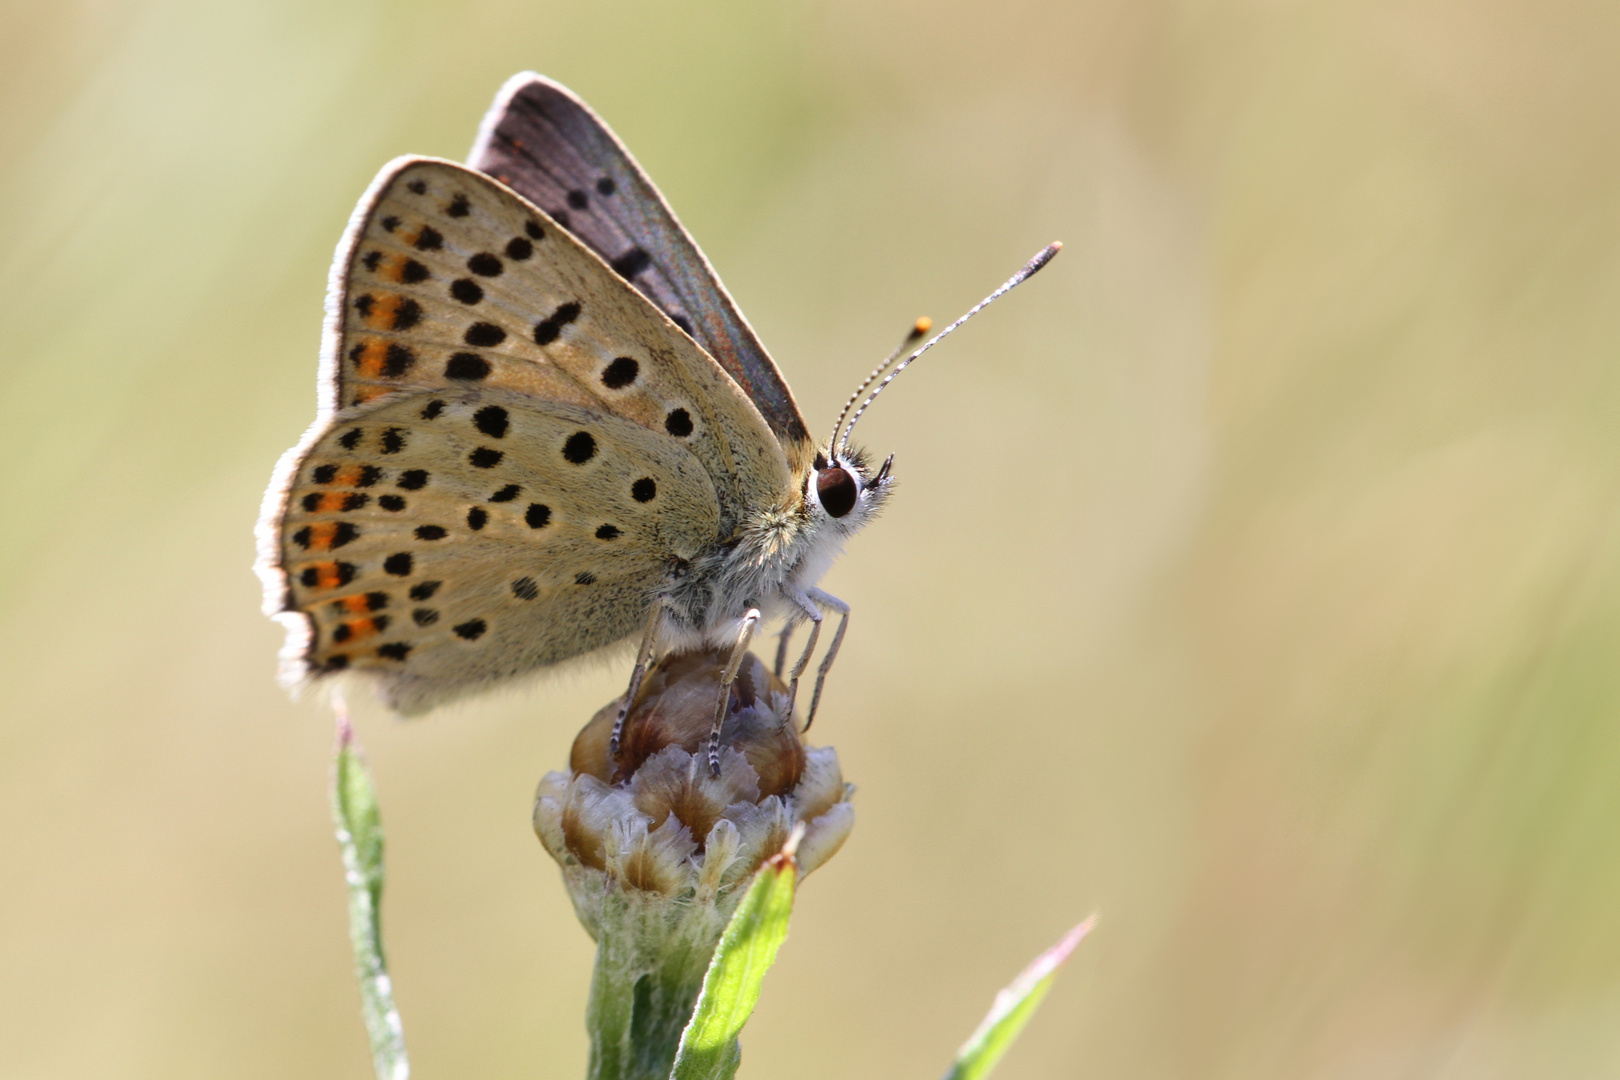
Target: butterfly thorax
(775,557)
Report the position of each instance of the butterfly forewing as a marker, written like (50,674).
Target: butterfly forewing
(446,539)
(515,449)
(451,280)
(542,141)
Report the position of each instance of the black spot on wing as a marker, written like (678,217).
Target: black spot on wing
(579,448)
(631,263)
(484,335)
(466,366)
(620,373)
(406,315)
(397,361)
(547,330)
(492,420)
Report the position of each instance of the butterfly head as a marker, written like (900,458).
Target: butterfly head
(841,490)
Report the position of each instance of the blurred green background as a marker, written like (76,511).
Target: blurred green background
(1254,577)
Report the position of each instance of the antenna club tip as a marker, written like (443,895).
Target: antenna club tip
(1047,254)
(922,326)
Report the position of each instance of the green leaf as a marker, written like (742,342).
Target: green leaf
(709,1048)
(1012,1009)
(360,836)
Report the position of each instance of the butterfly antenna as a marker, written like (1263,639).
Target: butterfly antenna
(914,335)
(1019,278)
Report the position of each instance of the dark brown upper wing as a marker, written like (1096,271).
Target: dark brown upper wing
(548,146)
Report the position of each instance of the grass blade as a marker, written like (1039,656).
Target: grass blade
(709,1047)
(359,834)
(1012,1009)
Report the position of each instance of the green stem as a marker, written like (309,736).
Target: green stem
(649,971)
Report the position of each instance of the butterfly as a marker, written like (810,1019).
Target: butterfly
(545,429)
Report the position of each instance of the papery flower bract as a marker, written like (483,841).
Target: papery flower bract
(655,850)
(656,821)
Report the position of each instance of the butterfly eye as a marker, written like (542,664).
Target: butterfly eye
(836,489)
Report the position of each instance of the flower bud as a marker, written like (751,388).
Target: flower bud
(654,848)
(656,821)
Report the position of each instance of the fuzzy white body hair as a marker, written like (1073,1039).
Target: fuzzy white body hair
(775,562)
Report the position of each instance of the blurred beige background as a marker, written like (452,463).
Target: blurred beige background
(1255,576)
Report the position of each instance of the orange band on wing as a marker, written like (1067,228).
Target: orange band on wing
(383,312)
(326,575)
(325,535)
(359,629)
(369,357)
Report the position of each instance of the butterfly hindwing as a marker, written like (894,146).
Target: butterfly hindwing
(443,539)
(546,144)
(448,279)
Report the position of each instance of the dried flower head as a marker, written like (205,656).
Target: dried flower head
(655,820)
(654,849)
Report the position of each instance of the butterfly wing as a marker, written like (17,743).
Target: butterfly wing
(545,143)
(447,278)
(443,540)
(449,285)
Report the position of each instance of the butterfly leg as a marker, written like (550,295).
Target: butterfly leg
(729,676)
(637,673)
(831,601)
(782,640)
(813,613)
